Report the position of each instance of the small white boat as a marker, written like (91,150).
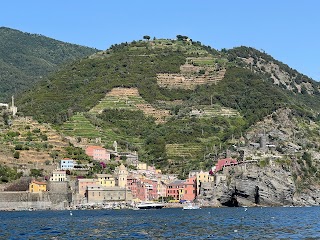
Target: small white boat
(150,205)
(191,206)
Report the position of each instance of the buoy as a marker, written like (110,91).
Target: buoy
(70,213)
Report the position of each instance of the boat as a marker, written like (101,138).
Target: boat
(149,205)
(191,206)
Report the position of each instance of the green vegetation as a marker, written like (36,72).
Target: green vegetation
(184,141)
(8,174)
(28,58)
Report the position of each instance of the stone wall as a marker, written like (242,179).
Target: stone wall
(27,200)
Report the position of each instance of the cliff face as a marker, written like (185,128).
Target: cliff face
(251,185)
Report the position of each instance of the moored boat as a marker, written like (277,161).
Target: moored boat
(191,207)
(149,205)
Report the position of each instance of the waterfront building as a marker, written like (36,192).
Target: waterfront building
(201,177)
(36,186)
(83,183)
(100,194)
(190,189)
(175,189)
(132,185)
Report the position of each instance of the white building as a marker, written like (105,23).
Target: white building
(58,176)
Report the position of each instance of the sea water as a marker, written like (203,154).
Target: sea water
(206,223)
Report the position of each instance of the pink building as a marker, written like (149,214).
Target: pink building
(224,163)
(143,189)
(83,183)
(176,189)
(98,153)
(132,185)
(190,189)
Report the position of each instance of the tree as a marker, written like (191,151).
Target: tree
(16,155)
(146,37)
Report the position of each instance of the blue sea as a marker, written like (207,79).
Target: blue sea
(207,223)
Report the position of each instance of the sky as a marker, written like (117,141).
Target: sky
(288,30)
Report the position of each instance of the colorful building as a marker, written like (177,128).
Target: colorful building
(106,180)
(190,189)
(225,163)
(67,164)
(176,189)
(98,153)
(83,183)
(132,185)
(36,186)
(201,177)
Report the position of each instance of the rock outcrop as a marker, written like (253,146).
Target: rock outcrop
(252,185)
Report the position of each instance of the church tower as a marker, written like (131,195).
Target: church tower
(13,108)
(122,175)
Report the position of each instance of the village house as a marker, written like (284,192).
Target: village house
(226,162)
(175,190)
(132,185)
(98,153)
(58,176)
(67,164)
(83,183)
(201,177)
(106,180)
(190,189)
(36,186)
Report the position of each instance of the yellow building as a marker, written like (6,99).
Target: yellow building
(106,180)
(36,187)
(202,177)
(142,166)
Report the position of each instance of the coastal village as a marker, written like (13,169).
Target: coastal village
(117,179)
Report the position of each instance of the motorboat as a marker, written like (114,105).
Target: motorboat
(191,206)
(149,205)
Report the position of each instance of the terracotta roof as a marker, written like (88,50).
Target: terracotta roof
(39,183)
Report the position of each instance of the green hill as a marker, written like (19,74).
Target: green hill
(26,59)
(211,98)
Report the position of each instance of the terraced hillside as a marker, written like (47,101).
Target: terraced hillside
(80,131)
(34,142)
(196,71)
(129,99)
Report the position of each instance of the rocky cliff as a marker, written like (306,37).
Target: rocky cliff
(252,185)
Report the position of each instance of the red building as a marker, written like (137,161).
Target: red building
(176,189)
(225,163)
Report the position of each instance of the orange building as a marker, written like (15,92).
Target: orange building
(36,186)
(190,189)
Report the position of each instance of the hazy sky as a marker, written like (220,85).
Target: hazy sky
(286,29)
